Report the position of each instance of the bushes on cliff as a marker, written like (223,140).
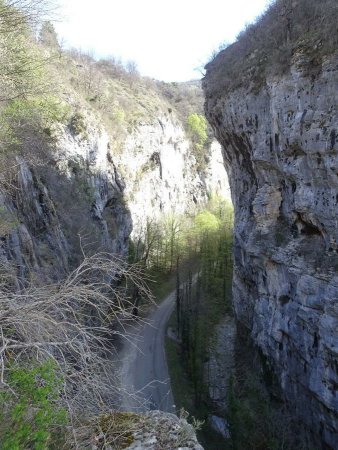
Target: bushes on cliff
(198,129)
(187,97)
(22,64)
(306,27)
(29,107)
(25,119)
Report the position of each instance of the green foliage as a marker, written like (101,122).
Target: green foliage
(206,222)
(207,244)
(182,237)
(22,118)
(198,131)
(28,114)
(198,128)
(48,108)
(119,116)
(256,419)
(250,417)
(30,413)
(210,300)
(22,69)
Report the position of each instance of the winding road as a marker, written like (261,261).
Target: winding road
(145,378)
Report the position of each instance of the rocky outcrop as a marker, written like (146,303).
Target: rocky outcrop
(281,152)
(219,368)
(152,430)
(166,431)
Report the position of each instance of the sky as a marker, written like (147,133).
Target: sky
(169,40)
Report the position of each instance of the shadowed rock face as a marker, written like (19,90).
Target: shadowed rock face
(57,210)
(280,147)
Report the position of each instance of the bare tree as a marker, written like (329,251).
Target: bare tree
(21,63)
(75,323)
(17,14)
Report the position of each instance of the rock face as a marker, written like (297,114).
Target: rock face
(281,152)
(219,369)
(73,203)
(151,430)
(81,196)
(165,431)
(159,169)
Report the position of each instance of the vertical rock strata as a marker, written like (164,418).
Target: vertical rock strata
(280,147)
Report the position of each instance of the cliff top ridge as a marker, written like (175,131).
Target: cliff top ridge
(268,46)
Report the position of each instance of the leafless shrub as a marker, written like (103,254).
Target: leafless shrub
(112,67)
(17,14)
(187,97)
(74,322)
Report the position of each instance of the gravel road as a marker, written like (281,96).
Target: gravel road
(144,375)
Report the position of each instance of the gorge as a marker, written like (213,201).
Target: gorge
(115,192)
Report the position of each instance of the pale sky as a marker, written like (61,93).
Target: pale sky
(168,40)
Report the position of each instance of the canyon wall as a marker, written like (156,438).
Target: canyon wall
(83,195)
(160,171)
(280,148)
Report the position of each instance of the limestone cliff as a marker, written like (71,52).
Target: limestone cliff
(69,204)
(159,169)
(280,149)
(86,192)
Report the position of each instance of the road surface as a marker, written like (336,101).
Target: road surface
(144,376)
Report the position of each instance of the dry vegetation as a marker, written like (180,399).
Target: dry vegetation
(186,98)
(122,97)
(74,324)
(306,28)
